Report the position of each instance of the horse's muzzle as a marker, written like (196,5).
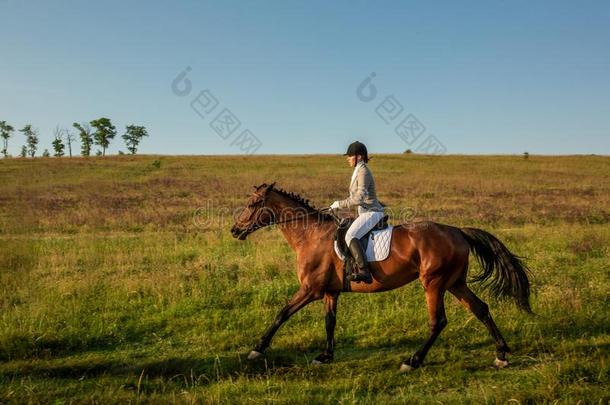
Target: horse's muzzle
(239,233)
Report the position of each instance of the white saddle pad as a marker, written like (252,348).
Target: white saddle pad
(378,248)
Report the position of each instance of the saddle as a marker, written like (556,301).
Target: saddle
(349,266)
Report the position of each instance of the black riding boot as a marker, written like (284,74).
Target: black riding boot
(363,274)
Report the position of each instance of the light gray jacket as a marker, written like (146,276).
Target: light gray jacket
(362,191)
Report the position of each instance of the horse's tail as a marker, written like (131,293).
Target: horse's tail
(504,274)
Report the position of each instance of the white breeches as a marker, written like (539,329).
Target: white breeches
(361,225)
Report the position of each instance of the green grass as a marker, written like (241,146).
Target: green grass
(112,289)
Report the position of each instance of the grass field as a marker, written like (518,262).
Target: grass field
(120,282)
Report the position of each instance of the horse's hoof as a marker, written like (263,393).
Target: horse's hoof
(500,363)
(405,368)
(322,359)
(254,355)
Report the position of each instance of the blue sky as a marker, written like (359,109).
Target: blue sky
(481,77)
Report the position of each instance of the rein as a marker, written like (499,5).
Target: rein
(296,218)
(263,205)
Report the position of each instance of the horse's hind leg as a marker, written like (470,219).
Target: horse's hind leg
(438,321)
(481,311)
(330,320)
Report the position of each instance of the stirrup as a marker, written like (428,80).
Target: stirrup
(362,277)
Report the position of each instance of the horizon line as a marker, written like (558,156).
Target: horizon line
(308,154)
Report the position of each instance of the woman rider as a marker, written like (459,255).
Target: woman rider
(370,210)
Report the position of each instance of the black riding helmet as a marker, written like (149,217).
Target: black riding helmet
(357,148)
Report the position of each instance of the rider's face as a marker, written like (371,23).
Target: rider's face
(352,160)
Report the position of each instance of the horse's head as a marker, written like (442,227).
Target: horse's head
(256,214)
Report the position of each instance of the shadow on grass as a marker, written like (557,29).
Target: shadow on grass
(205,369)
(295,360)
(20,345)
(202,370)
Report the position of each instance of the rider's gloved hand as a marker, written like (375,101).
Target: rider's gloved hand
(334,205)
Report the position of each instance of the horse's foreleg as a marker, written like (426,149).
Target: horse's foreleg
(330,320)
(438,321)
(302,297)
(481,311)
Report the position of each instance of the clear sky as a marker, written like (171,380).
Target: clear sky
(481,77)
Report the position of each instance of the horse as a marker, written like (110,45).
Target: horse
(435,253)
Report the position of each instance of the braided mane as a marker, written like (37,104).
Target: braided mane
(304,202)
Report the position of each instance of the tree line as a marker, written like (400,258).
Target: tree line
(99,132)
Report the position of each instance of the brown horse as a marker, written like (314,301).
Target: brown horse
(437,254)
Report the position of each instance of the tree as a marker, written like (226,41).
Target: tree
(46,153)
(132,136)
(86,138)
(58,143)
(5,133)
(31,136)
(69,139)
(104,132)
(24,151)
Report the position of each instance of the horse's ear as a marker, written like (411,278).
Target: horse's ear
(270,186)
